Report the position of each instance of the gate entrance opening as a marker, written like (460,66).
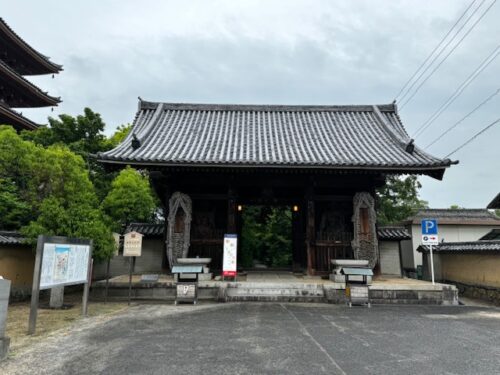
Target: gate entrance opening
(266,237)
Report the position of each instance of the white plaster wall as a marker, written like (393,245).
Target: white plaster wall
(149,261)
(448,233)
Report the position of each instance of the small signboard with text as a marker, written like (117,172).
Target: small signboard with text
(132,244)
(230,253)
(430,232)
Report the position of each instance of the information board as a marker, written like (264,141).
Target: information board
(64,264)
(229,255)
(132,244)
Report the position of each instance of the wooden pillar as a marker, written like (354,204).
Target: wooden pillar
(231,212)
(310,234)
(296,236)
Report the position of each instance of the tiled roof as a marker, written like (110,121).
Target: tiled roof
(470,216)
(41,98)
(10,117)
(45,65)
(11,238)
(495,203)
(393,234)
(494,234)
(147,229)
(463,247)
(274,136)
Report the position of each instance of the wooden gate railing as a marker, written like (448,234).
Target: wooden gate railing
(328,246)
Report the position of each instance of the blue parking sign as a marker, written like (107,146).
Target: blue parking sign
(429,227)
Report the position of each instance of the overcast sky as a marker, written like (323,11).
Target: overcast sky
(275,52)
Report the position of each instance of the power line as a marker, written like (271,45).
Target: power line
(449,53)
(483,65)
(463,118)
(473,137)
(435,49)
(442,50)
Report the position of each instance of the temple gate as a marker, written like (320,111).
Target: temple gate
(324,162)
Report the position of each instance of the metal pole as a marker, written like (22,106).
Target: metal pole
(432,265)
(35,291)
(130,280)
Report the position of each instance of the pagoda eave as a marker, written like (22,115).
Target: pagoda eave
(21,57)
(23,93)
(10,117)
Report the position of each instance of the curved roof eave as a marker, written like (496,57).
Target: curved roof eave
(43,61)
(47,99)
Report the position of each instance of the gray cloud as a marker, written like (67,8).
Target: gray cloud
(293,52)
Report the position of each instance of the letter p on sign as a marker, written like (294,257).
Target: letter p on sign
(429,227)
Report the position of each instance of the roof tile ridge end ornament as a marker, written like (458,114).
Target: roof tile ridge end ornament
(145,104)
(408,143)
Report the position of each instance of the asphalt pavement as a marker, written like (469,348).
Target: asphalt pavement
(274,338)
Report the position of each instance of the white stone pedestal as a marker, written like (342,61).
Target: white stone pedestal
(56,297)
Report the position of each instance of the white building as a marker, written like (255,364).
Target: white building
(455,225)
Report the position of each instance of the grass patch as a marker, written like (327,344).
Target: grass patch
(51,321)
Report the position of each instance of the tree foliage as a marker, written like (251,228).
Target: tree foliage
(399,199)
(130,199)
(13,211)
(84,135)
(50,191)
(50,183)
(266,236)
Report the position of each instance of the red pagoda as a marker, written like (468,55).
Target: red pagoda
(18,59)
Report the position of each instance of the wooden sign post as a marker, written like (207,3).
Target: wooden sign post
(132,247)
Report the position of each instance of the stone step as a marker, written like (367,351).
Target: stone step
(276,293)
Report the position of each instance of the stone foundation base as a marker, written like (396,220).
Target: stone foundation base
(404,295)
(439,294)
(489,294)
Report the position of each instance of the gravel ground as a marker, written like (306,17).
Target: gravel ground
(273,338)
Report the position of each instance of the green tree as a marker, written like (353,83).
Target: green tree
(51,192)
(73,219)
(84,135)
(266,236)
(278,237)
(14,213)
(399,199)
(68,203)
(119,135)
(130,199)
(252,234)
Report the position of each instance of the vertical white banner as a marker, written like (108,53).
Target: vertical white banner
(229,255)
